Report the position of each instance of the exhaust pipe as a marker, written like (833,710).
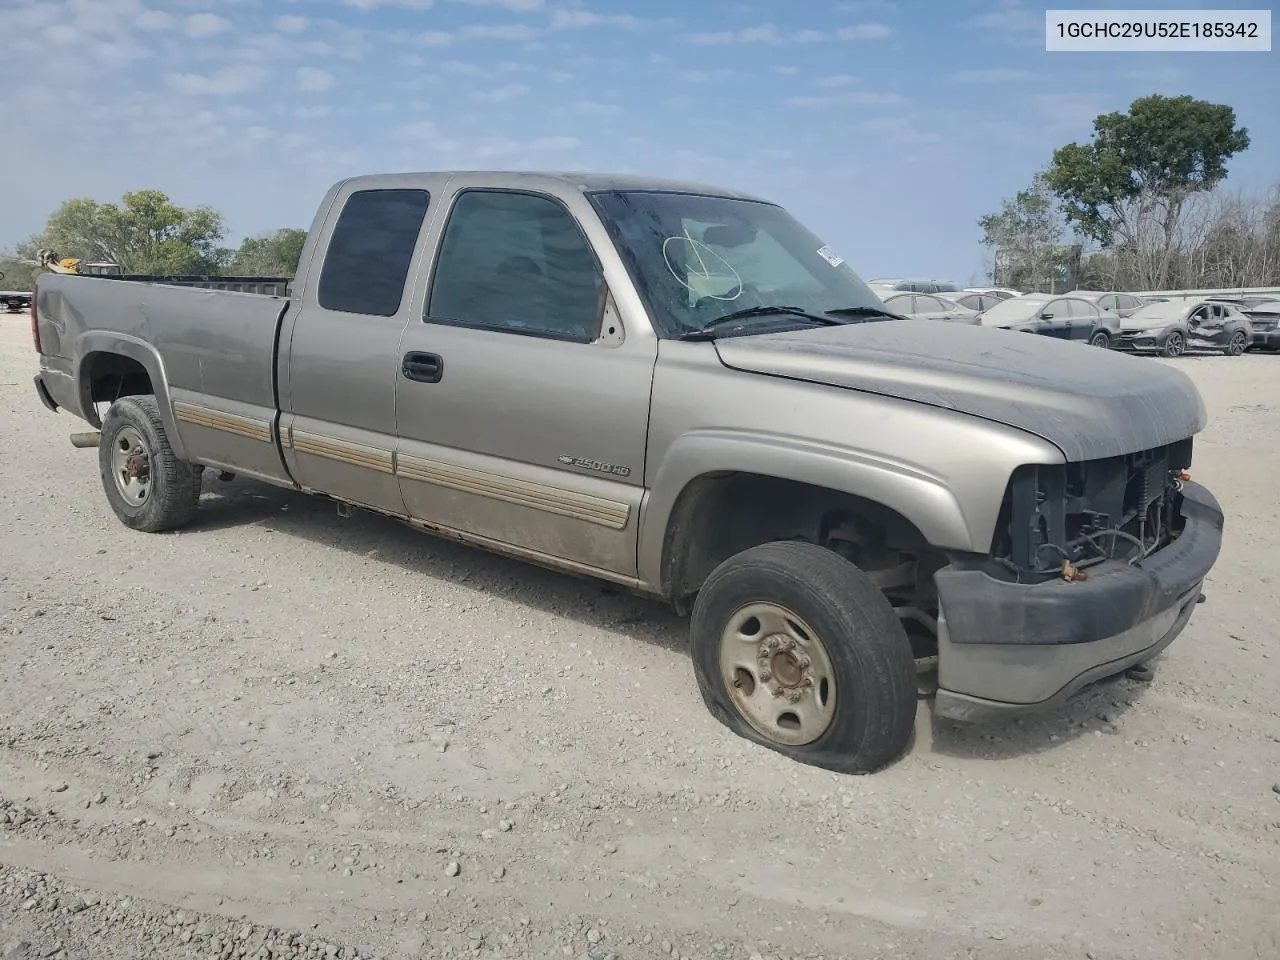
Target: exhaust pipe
(86,439)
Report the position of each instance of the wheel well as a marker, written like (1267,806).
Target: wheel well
(719,515)
(111,375)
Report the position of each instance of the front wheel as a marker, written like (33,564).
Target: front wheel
(1238,344)
(1100,339)
(148,487)
(1174,344)
(796,649)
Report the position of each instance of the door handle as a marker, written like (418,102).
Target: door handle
(423,367)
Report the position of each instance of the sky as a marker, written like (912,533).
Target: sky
(887,126)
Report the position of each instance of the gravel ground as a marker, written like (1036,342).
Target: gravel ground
(282,733)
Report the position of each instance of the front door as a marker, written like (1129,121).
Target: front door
(522,403)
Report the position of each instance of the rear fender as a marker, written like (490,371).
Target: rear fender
(135,349)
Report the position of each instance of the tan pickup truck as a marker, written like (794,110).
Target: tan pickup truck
(681,389)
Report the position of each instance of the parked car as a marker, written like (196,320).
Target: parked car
(1065,317)
(1002,293)
(1171,327)
(914,284)
(724,417)
(978,300)
(1264,317)
(14,301)
(924,306)
(1121,304)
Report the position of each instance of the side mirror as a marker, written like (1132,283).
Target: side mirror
(1046,316)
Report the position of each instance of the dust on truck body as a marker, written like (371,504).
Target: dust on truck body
(678,388)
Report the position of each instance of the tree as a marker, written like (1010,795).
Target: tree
(270,254)
(145,233)
(1129,187)
(1026,236)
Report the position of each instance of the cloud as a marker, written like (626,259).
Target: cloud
(596,108)
(861,98)
(230,80)
(200,25)
(516,6)
(838,80)
(313,80)
(994,75)
(374,4)
(1011,19)
(502,94)
(434,38)
(708,76)
(765,33)
(62,34)
(567,19)
(768,33)
(154,20)
(863,31)
(809,36)
(312,113)
(785,70)
(499,31)
(291,23)
(418,130)
(900,131)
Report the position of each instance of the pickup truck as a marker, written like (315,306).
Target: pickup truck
(681,389)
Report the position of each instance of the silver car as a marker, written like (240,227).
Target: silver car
(914,284)
(924,306)
(1121,304)
(1172,327)
(1065,317)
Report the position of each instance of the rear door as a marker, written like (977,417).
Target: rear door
(522,400)
(1085,318)
(341,350)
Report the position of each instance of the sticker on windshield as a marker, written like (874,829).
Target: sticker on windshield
(827,254)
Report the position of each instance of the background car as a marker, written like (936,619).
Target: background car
(1065,317)
(1171,327)
(1264,318)
(1121,304)
(924,306)
(979,300)
(914,284)
(1000,293)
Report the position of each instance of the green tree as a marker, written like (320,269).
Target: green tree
(270,254)
(144,233)
(1129,187)
(1026,237)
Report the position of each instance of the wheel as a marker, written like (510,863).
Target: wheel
(1175,344)
(794,648)
(1100,339)
(1237,345)
(147,486)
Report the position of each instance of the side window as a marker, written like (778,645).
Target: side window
(519,263)
(929,305)
(367,261)
(1052,310)
(1109,302)
(901,305)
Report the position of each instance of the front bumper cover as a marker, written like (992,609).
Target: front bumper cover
(1009,646)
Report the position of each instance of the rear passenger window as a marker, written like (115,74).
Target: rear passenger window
(368,258)
(518,263)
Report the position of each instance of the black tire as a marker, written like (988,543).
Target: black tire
(1174,345)
(874,670)
(1237,345)
(173,493)
(1101,339)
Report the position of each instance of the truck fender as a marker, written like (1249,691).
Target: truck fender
(919,497)
(122,344)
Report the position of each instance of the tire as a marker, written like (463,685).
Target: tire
(1100,339)
(866,710)
(170,493)
(1237,345)
(1174,345)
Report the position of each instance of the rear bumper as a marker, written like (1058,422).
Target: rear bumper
(1269,339)
(1006,647)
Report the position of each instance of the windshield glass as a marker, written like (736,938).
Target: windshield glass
(696,258)
(1013,310)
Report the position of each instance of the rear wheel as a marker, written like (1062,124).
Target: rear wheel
(796,649)
(1175,344)
(148,487)
(1238,344)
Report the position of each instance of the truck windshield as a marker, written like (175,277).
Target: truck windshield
(697,258)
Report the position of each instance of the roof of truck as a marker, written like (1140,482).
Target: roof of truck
(574,180)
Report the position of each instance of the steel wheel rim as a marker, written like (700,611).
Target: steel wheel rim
(1174,344)
(1100,340)
(131,466)
(778,673)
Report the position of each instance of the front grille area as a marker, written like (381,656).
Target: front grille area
(1117,508)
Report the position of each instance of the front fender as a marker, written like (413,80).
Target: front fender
(134,348)
(921,498)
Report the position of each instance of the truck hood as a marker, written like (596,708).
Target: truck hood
(1087,401)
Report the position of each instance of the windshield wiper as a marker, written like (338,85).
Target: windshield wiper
(865,312)
(707,331)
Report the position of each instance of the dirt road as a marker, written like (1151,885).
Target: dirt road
(286,733)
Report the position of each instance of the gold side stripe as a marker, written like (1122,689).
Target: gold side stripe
(355,454)
(220,420)
(565,503)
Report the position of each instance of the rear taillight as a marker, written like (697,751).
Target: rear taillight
(35,323)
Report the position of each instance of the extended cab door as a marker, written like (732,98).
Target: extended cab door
(340,353)
(522,400)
